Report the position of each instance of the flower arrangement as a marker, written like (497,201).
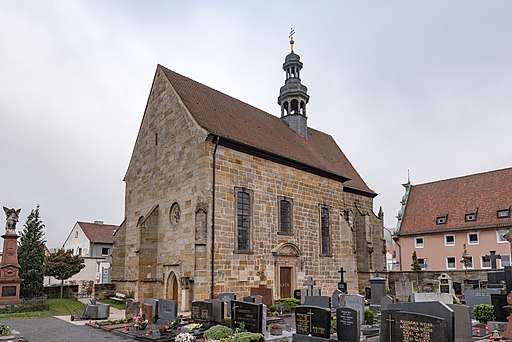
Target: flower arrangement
(184,337)
(194,326)
(140,321)
(275,326)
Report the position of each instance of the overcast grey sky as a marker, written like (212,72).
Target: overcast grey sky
(419,85)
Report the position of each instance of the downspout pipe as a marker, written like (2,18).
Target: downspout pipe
(212,288)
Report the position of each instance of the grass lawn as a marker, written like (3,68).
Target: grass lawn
(57,308)
(114,304)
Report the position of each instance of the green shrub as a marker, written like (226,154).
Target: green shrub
(291,302)
(248,337)
(217,332)
(369,317)
(483,313)
(29,307)
(334,327)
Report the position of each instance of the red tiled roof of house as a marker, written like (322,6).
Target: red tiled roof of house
(230,118)
(99,232)
(484,193)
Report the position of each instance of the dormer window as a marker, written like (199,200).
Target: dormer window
(442,219)
(470,217)
(504,213)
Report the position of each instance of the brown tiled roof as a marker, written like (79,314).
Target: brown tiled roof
(99,233)
(485,193)
(230,118)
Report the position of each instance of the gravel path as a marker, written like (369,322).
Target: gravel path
(50,329)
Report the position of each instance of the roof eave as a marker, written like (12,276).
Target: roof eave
(241,147)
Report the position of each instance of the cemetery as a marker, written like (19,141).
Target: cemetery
(413,308)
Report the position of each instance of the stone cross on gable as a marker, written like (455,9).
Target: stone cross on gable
(493,257)
(310,283)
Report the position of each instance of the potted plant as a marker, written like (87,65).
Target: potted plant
(184,337)
(276,329)
(483,313)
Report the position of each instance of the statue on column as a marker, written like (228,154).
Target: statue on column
(12,217)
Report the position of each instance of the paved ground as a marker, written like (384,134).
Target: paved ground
(52,329)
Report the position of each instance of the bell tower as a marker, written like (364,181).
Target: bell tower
(293,96)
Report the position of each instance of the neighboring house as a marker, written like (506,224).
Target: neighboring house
(92,241)
(440,219)
(224,197)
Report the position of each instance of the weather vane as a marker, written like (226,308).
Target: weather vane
(292,32)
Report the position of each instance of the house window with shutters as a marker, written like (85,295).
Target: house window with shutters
(285,216)
(325,238)
(243,220)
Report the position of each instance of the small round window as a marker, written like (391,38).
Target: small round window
(175,214)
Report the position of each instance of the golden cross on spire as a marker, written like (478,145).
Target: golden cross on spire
(292,32)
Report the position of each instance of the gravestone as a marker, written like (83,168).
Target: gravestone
(147,310)
(417,297)
(436,309)
(296,294)
(367,293)
(218,310)
(265,294)
(385,301)
(342,285)
(227,297)
(167,310)
(154,305)
(201,311)
(493,257)
(132,309)
(313,320)
(411,326)
(495,279)
(257,299)
(321,301)
(508,278)
(474,297)
(335,298)
(378,286)
(463,330)
(445,284)
(498,301)
(403,289)
(252,315)
(348,325)
(355,302)
(457,288)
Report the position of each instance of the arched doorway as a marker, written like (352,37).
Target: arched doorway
(172,287)
(286,261)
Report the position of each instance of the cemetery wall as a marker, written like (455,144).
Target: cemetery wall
(69,291)
(431,277)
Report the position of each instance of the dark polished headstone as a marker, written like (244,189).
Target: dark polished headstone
(201,311)
(313,320)
(167,310)
(474,297)
(436,309)
(498,301)
(321,301)
(411,326)
(218,310)
(348,326)
(297,294)
(508,278)
(251,314)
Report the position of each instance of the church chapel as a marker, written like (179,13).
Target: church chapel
(224,197)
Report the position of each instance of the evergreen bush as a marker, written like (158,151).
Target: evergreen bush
(217,332)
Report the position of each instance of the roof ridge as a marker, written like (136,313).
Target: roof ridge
(464,176)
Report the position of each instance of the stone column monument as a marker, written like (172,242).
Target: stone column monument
(9,267)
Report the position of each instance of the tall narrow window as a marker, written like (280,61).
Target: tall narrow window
(325,237)
(243,220)
(285,216)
